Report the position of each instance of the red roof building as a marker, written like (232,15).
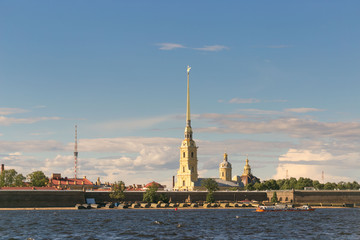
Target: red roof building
(69,183)
(153,183)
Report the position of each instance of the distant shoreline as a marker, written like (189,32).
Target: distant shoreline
(184,208)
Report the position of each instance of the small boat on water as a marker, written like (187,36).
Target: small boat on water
(284,208)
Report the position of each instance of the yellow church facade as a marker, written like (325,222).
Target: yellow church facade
(187,178)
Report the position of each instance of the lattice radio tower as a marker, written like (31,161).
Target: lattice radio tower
(75,151)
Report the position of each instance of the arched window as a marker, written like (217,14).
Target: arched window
(183,154)
(286,199)
(280,199)
(184,183)
(222,173)
(183,169)
(192,154)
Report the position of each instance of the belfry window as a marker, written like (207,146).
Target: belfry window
(192,154)
(183,183)
(183,154)
(183,169)
(222,173)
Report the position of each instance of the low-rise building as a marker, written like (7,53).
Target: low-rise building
(70,183)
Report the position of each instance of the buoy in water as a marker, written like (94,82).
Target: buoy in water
(175,209)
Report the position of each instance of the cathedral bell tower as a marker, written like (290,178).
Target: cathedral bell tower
(187,173)
(247,168)
(225,169)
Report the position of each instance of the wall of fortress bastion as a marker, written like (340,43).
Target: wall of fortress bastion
(37,198)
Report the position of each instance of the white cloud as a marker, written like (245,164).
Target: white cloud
(170,46)
(244,100)
(15,154)
(8,111)
(9,121)
(293,127)
(212,48)
(129,124)
(32,146)
(311,164)
(42,133)
(260,111)
(303,110)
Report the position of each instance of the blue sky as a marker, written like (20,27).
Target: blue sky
(276,80)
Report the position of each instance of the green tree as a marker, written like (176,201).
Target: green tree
(250,187)
(211,186)
(117,191)
(330,186)
(151,195)
(259,186)
(274,198)
(270,185)
(38,179)
(164,198)
(210,197)
(317,185)
(10,178)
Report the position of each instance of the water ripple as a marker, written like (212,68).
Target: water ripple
(181,224)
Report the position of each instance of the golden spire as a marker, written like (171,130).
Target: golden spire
(188,121)
(188,130)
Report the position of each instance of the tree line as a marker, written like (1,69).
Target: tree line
(10,178)
(300,184)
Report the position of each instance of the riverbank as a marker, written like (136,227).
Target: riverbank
(179,208)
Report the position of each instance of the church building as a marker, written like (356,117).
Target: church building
(187,174)
(187,178)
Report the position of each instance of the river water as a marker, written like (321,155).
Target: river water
(181,224)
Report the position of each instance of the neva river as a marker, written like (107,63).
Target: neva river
(181,224)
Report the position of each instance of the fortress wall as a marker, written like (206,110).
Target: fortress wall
(183,196)
(327,197)
(9,199)
(35,198)
(284,196)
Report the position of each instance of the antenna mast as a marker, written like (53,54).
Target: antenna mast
(75,151)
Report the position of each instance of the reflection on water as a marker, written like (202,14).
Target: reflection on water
(181,224)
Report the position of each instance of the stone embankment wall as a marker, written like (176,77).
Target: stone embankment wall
(185,196)
(327,197)
(284,196)
(36,198)
(321,197)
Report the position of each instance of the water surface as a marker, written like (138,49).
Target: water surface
(181,224)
